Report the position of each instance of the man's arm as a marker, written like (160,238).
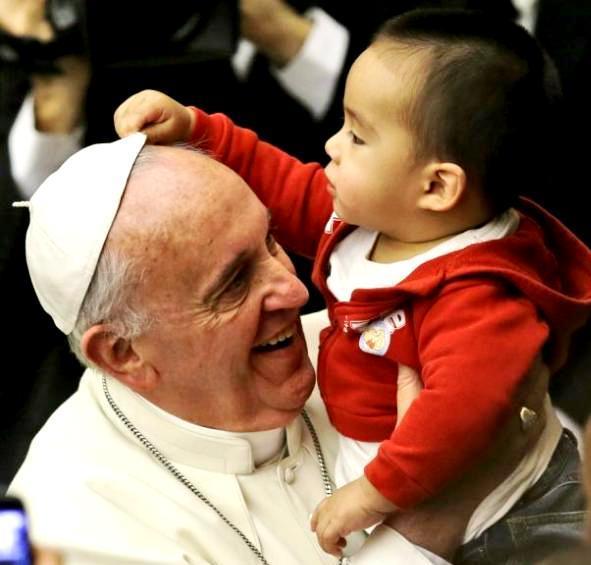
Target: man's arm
(49,126)
(439,523)
(35,150)
(307,51)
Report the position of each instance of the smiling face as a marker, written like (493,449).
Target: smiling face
(227,344)
(373,175)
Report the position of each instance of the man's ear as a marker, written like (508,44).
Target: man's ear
(117,357)
(443,186)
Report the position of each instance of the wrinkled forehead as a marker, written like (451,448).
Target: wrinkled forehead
(183,198)
(213,198)
(182,217)
(173,184)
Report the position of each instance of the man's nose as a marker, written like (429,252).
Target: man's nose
(285,290)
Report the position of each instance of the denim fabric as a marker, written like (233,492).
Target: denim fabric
(548,517)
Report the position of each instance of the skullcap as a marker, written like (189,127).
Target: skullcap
(71,214)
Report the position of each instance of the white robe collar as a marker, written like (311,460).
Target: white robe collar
(180,441)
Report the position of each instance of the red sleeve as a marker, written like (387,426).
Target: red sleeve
(294,192)
(476,343)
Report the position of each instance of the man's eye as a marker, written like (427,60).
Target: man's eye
(355,139)
(233,294)
(237,284)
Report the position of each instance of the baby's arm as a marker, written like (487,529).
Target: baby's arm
(355,506)
(438,523)
(476,342)
(295,193)
(359,505)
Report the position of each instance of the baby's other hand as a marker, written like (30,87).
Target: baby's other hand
(160,117)
(356,506)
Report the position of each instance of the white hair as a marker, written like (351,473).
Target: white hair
(108,301)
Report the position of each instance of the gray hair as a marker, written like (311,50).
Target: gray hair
(108,301)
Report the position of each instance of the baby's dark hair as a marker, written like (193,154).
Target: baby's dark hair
(486,101)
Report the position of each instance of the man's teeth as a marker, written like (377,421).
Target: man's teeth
(278,339)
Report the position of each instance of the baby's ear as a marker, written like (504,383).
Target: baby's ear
(443,186)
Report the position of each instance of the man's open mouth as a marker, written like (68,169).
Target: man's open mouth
(280,341)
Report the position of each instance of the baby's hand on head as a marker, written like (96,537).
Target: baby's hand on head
(161,118)
(356,506)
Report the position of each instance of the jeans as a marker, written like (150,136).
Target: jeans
(549,516)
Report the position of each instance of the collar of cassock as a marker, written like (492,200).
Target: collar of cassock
(188,444)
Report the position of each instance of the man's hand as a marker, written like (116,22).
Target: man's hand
(59,99)
(161,118)
(408,388)
(439,523)
(25,18)
(274,27)
(356,506)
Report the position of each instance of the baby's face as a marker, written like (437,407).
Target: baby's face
(373,177)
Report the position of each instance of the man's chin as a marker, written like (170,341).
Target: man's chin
(302,389)
(285,376)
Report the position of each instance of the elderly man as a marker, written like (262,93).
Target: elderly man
(186,441)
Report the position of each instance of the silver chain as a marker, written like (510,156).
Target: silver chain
(180,477)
